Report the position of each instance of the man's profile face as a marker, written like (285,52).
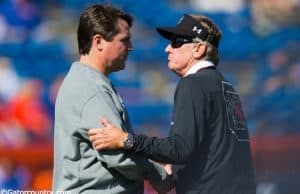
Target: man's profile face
(116,51)
(180,57)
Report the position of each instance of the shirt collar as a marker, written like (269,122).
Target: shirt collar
(91,72)
(200,65)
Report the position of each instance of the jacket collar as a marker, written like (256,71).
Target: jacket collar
(200,65)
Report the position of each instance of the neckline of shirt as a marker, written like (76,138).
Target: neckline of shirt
(200,65)
(92,71)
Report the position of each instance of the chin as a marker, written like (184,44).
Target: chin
(119,68)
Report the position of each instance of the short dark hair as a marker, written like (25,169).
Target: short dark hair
(102,20)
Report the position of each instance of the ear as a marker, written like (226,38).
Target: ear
(98,42)
(199,51)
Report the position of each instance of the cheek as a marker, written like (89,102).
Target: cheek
(180,61)
(121,50)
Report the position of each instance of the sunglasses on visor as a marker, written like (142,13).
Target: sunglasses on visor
(178,42)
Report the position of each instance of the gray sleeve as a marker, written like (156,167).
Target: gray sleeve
(134,167)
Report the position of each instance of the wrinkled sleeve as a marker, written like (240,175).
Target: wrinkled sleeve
(178,147)
(133,167)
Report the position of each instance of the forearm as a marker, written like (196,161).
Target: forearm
(172,150)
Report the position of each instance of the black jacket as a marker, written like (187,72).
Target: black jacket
(208,140)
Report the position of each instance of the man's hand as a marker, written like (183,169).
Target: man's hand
(167,184)
(109,137)
(168,168)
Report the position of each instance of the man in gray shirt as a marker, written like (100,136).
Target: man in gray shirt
(86,95)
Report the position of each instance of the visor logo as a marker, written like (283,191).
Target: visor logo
(198,30)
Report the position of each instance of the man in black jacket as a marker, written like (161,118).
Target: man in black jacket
(208,145)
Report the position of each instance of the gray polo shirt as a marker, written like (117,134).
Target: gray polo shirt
(84,97)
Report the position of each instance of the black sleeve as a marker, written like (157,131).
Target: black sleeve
(180,144)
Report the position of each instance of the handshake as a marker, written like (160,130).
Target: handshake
(165,183)
(111,137)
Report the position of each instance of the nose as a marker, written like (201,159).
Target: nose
(129,47)
(168,48)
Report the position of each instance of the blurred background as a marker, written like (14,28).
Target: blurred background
(259,55)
